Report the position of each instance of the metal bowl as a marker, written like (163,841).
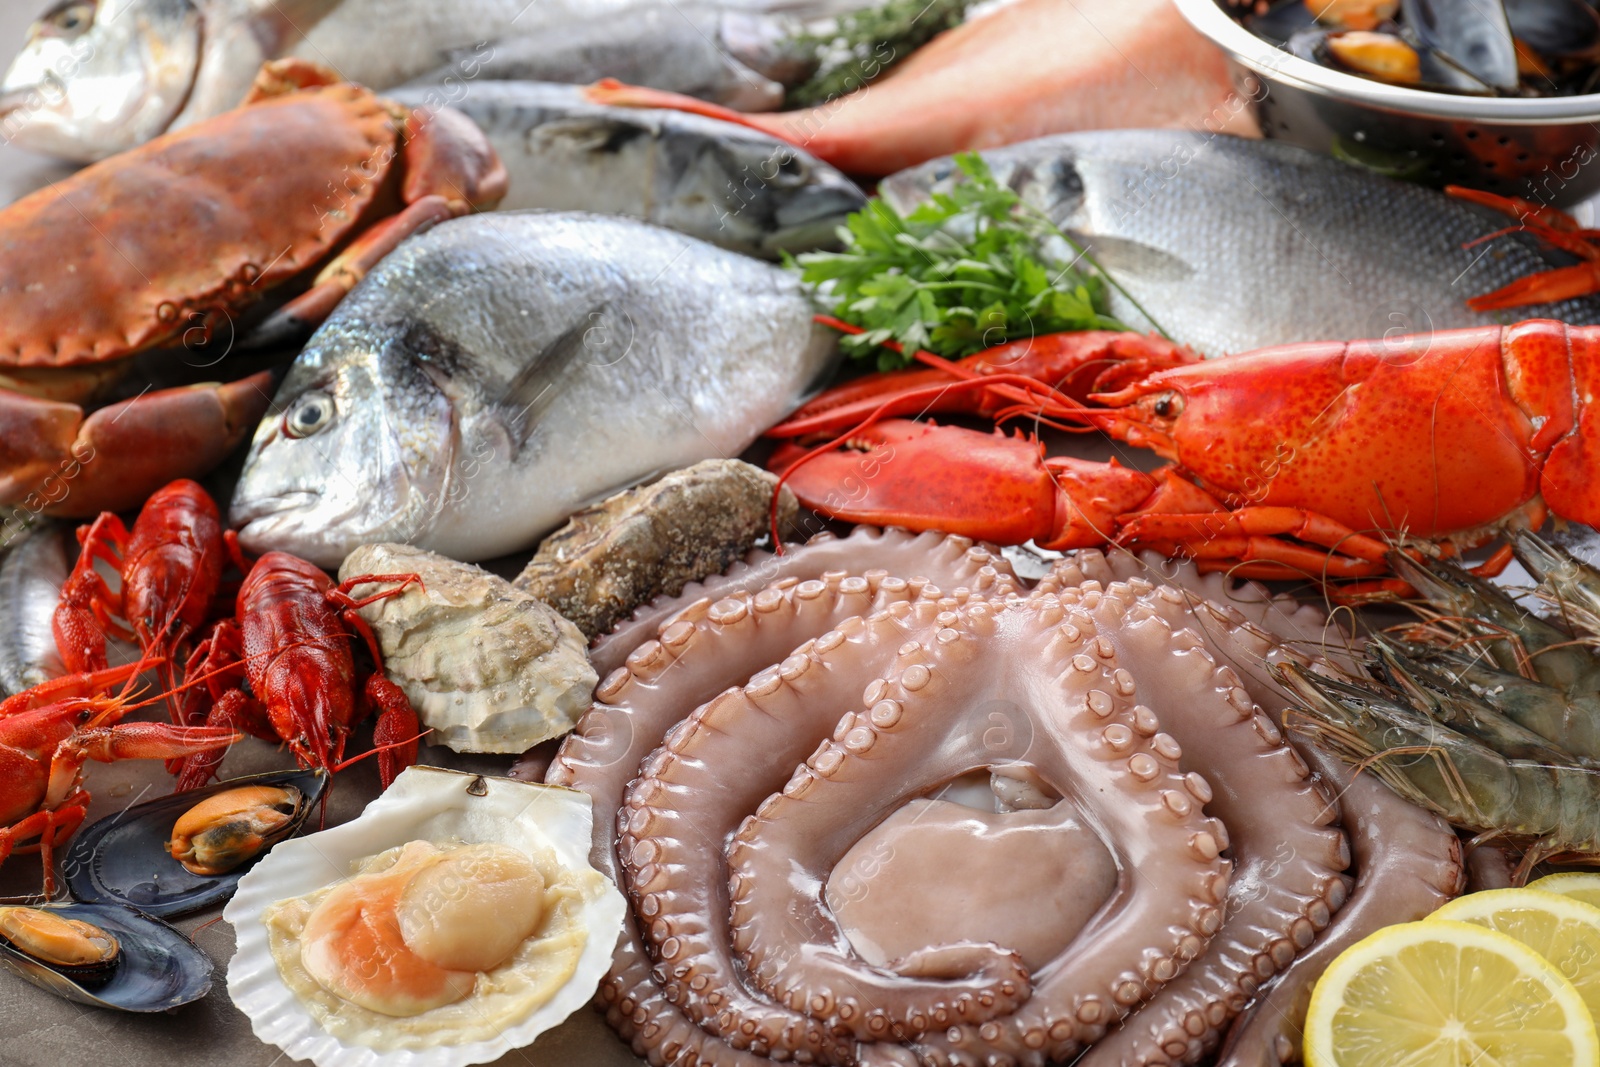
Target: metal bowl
(1542,149)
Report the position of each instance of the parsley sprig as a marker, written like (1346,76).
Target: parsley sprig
(962,272)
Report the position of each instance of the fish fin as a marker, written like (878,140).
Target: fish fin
(1135,259)
(600,337)
(590,133)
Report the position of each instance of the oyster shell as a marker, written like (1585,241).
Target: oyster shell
(123,858)
(156,969)
(653,540)
(445,808)
(489,668)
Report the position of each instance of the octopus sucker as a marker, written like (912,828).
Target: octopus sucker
(898,555)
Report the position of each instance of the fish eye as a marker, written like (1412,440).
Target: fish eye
(70,18)
(1167,406)
(309,413)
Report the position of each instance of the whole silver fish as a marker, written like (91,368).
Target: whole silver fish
(1232,244)
(731,57)
(32,571)
(499,372)
(714,180)
(100,76)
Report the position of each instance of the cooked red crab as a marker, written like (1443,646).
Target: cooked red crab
(168,244)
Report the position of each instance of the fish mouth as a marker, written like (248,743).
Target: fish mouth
(268,507)
(14,100)
(810,219)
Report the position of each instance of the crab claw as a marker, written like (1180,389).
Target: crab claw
(55,461)
(992,487)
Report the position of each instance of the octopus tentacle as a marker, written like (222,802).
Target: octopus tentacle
(1409,864)
(1287,859)
(635,706)
(1075,721)
(945,560)
(655,686)
(679,879)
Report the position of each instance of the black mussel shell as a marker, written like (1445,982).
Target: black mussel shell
(25,929)
(1556,28)
(123,859)
(157,968)
(1469,36)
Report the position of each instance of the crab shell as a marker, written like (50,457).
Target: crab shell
(427,803)
(139,250)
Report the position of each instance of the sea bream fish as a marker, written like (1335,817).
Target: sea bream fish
(100,76)
(714,180)
(1234,244)
(500,371)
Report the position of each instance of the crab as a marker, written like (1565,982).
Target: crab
(306,185)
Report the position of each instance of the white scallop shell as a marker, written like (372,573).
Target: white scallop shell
(423,803)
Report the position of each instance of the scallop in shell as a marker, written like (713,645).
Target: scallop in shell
(285,975)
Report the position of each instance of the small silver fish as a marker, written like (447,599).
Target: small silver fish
(728,56)
(32,571)
(714,180)
(100,76)
(500,371)
(1233,244)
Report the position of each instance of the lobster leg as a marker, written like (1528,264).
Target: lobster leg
(70,685)
(340,595)
(396,732)
(49,827)
(1256,534)
(130,740)
(82,619)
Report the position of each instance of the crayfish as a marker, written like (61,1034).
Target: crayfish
(49,732)
(289,640)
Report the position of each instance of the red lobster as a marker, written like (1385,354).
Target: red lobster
(49,732)
(1288,461)
(171,568)
(290,642)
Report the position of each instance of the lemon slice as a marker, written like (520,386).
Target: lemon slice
(1563,930)
(1579,885)
(1442,993)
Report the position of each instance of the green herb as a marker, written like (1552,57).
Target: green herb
(864,44)
(962,272)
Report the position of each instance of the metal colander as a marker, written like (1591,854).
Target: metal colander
(1545,149)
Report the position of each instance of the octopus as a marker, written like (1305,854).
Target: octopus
(878,803)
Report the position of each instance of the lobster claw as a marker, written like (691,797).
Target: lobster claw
(993,487)
(55,461)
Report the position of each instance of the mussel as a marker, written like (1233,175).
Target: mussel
(1476,47)
(234,826)
(183,852)
(103,955)
(79,950)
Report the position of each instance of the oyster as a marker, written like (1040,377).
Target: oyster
(489,668)
(103,955)
(652,540)
(414,863)
(124,858)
